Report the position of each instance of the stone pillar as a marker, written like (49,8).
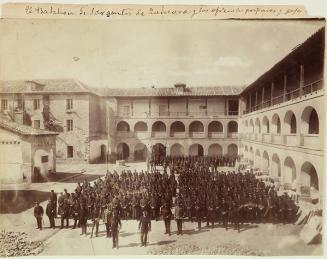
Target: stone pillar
(168,105)
(272,93)
(250,102)
(301,79)
(132,107)
(186,106)
(263,97)
(256,99)
(149,106)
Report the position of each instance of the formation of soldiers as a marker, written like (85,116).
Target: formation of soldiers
(191,187)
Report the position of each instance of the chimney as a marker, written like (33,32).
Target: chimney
(180,87)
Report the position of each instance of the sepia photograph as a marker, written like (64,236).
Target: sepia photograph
(162,137)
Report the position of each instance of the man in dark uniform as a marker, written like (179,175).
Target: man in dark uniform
(179,218)
(106,219)
(50,211)
(145,227)
(115,226)
(95,219)
(166,215)
(75,213)
(53,198)
(83,218)
(38,214)
(65,214)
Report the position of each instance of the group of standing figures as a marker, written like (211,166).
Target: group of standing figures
(187,189)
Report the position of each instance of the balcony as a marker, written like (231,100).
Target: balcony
(197,134)
(311,140)
(232,135)
(276,139)
(124,134)
(266,137)
(288,96)
(291,140)
(216,135)
(142,134)
(178,134)
(159,134)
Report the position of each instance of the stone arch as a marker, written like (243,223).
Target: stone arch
(251,125)
(140,152)
(310,121)
(158,126)
(232,149)
(309,176)
(196,126)
(289,175)
(232,127)
(265,161)
(289,123)
(275,166)
(265,125)
(122,150)
(140,126)
(123,126)
(257,158)
(275,124)
(257,126)
(215,127)
(251,156)
(215,150)
(177,127)
(196,150)
(177,150)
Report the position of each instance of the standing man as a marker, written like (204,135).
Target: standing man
(50,211)
(83,218)
(53,198)
(38,214)
(106,219)
(115,227)
(145,227)
(95,219)
(65,211)
(179,218)
(166,215)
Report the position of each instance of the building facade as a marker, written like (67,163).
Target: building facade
(276,124)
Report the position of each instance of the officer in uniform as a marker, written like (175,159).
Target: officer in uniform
(83,218)
(106,219)
(145,227)
(95,219)
(38,214)
(115,224)
(65,214)
(53,198)
(50,211)
(166,215)
(179,218)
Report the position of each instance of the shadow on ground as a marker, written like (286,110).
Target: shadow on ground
(16,201)
(72,177)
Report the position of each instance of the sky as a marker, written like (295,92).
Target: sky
(147,53)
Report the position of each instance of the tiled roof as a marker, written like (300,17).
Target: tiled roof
(23,129)
(165,92)
(43,86)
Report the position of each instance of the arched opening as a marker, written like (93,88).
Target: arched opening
(257,158)
(290,123)
(215,150)
(289,171)
(257,126)
(177,128)
(215,127)
(122,151)
(275,166)
(265,161)
(140,152)
(196,127)
(196,150)
(232,127)
(103,153)
(251,156)
(251,129)
(140,126)
(177,150)
(275,122)
(309,176)
(159,126)
(232,150)
(123,126)
(158,151)
(310,121)
(265,125)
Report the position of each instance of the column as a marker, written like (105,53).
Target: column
(149,106)
(168,105)
(206,104)
(272,93)
(301,79)
(256,99)
(132,108)
(285,88)
(226,107)
(186,106)
(250,102)
(263,97)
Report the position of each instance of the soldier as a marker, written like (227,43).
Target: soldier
(38,214)
(50,211)
(65,214)
(115,224)
(83,218)
(179,218)
(106,219)
(95,219)
(166,215)
(75,213)
(198,213)
(53,198)
(145,227)
(211,213)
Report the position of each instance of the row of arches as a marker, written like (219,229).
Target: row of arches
(309,123)
(285,169)
(141,151)
(178,126)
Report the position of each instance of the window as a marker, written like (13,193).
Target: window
(4,104)
(37,124)
(69,125)
(69,104)
(44,159)
(36,104)
(70,151)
